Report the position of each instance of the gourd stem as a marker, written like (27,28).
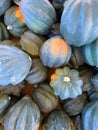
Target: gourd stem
(66,79)
(9,27)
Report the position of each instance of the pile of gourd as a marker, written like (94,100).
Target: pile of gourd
(48,64)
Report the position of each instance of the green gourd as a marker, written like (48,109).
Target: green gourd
(14,65)
(44,97)
(25,114)
(39,15)
(66,82)
(55,52)
(31,43)
(14,21)
(57,120)
(79,24)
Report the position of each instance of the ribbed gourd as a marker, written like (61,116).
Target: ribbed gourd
(74,106)
(90,53)
(79,24)
(15,22)
(14,65)
(44,97)
(86,73)
(4,34)
(90,116)
(13,89)
(76,58)
(94,81)
(4,104)
(58,120)
(55,52)
(39,15)
(66,83)
(77,122)
(31,43)
(4,5)
(37,73)
(24,115)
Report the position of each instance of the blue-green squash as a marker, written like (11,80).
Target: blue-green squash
(58,120)
(66,83)
(74,106)
(79,24)
(77,122)
(4,5)
(55,52)
(31,43)
(44,97)
(13,89)
(37,73)
(90,53)
(90,116)
(14,65)
(94,81)
(14,21)
(24,115)
(4,34)
(5,101)
(39,15)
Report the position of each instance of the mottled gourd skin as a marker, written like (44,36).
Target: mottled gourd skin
(14,65)
(4,104)
(79,22)
(90,53)
(66,83)
(24,115)
(90,116)
(31,43)
(74,106)
(39,15)
(17,1)
(14,21)
(55,52)
(12,89)
(44,97)
(58,120)
(94,81)
(4,34)
(37,73)
(4,5)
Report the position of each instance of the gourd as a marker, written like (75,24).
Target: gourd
(74,106)
(31,43)
(26,116)
(57,120)
(90,53)
(4,34)
(66,83)
(44,97)
(90,116)
(14,21)
(13,89)
(14,65)
(37,15)
(4,104)
(4,5)
(77,122)
(86,73)
(76,58)
(79,24)
(55,52)
(94,81)
(37,73)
